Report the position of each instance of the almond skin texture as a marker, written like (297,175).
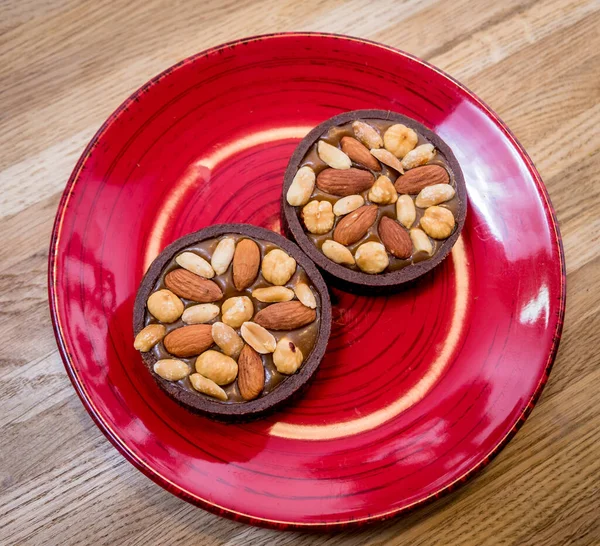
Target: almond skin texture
(352,228)
(342,183)
(192,287)
(251,373)
(395,238)
(246,261)
(287,315)
(189,340)
(359,153)
(420,177)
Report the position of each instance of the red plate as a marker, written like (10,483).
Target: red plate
(417,391)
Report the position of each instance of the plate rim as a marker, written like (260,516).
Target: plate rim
(179,491)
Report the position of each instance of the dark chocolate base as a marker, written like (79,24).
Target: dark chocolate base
(339,275)
(292,385)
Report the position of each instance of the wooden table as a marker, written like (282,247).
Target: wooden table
(65,65)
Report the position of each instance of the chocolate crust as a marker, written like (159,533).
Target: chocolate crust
(292,385)
(340,275)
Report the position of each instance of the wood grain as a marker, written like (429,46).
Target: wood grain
(66,65)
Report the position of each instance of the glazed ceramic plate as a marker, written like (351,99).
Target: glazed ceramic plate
(417,391)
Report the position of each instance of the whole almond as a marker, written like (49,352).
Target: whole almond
(288,315)
(246,261)
(255,335)
(165,306)
(171,369)
(272,294)
(354,226)
(192,287)
(217,367)
(189,340)
(395,238)
(251,374)
(368,135)
(223,255)
(149,337)
(196,264)
(342,183)
(388,158)
(416,179)
(359,153)
(206,386)
(334,157)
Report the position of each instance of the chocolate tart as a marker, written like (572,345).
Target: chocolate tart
(311,338)
(399,271)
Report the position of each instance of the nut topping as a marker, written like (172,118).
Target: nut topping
(337,253)
(318,217)
(171,369)
(188,285)
(434,195)
(165,306)
(302,187)
(405,211)
(251,376)
(258,338)
(334,157)
(287,357)
(222,256)
(383,191)
(217,367)
(399,139)
(354,226)
(273,294)
(438,222)
(246,260)
(367,135)
(208,387)
(371,257)
(419,156)
(237,310)
(348,204)
(278,267)
(359,153)
(149,337)
(196,264)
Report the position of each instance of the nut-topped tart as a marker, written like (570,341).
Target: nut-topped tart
(232,320)
(374,198)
